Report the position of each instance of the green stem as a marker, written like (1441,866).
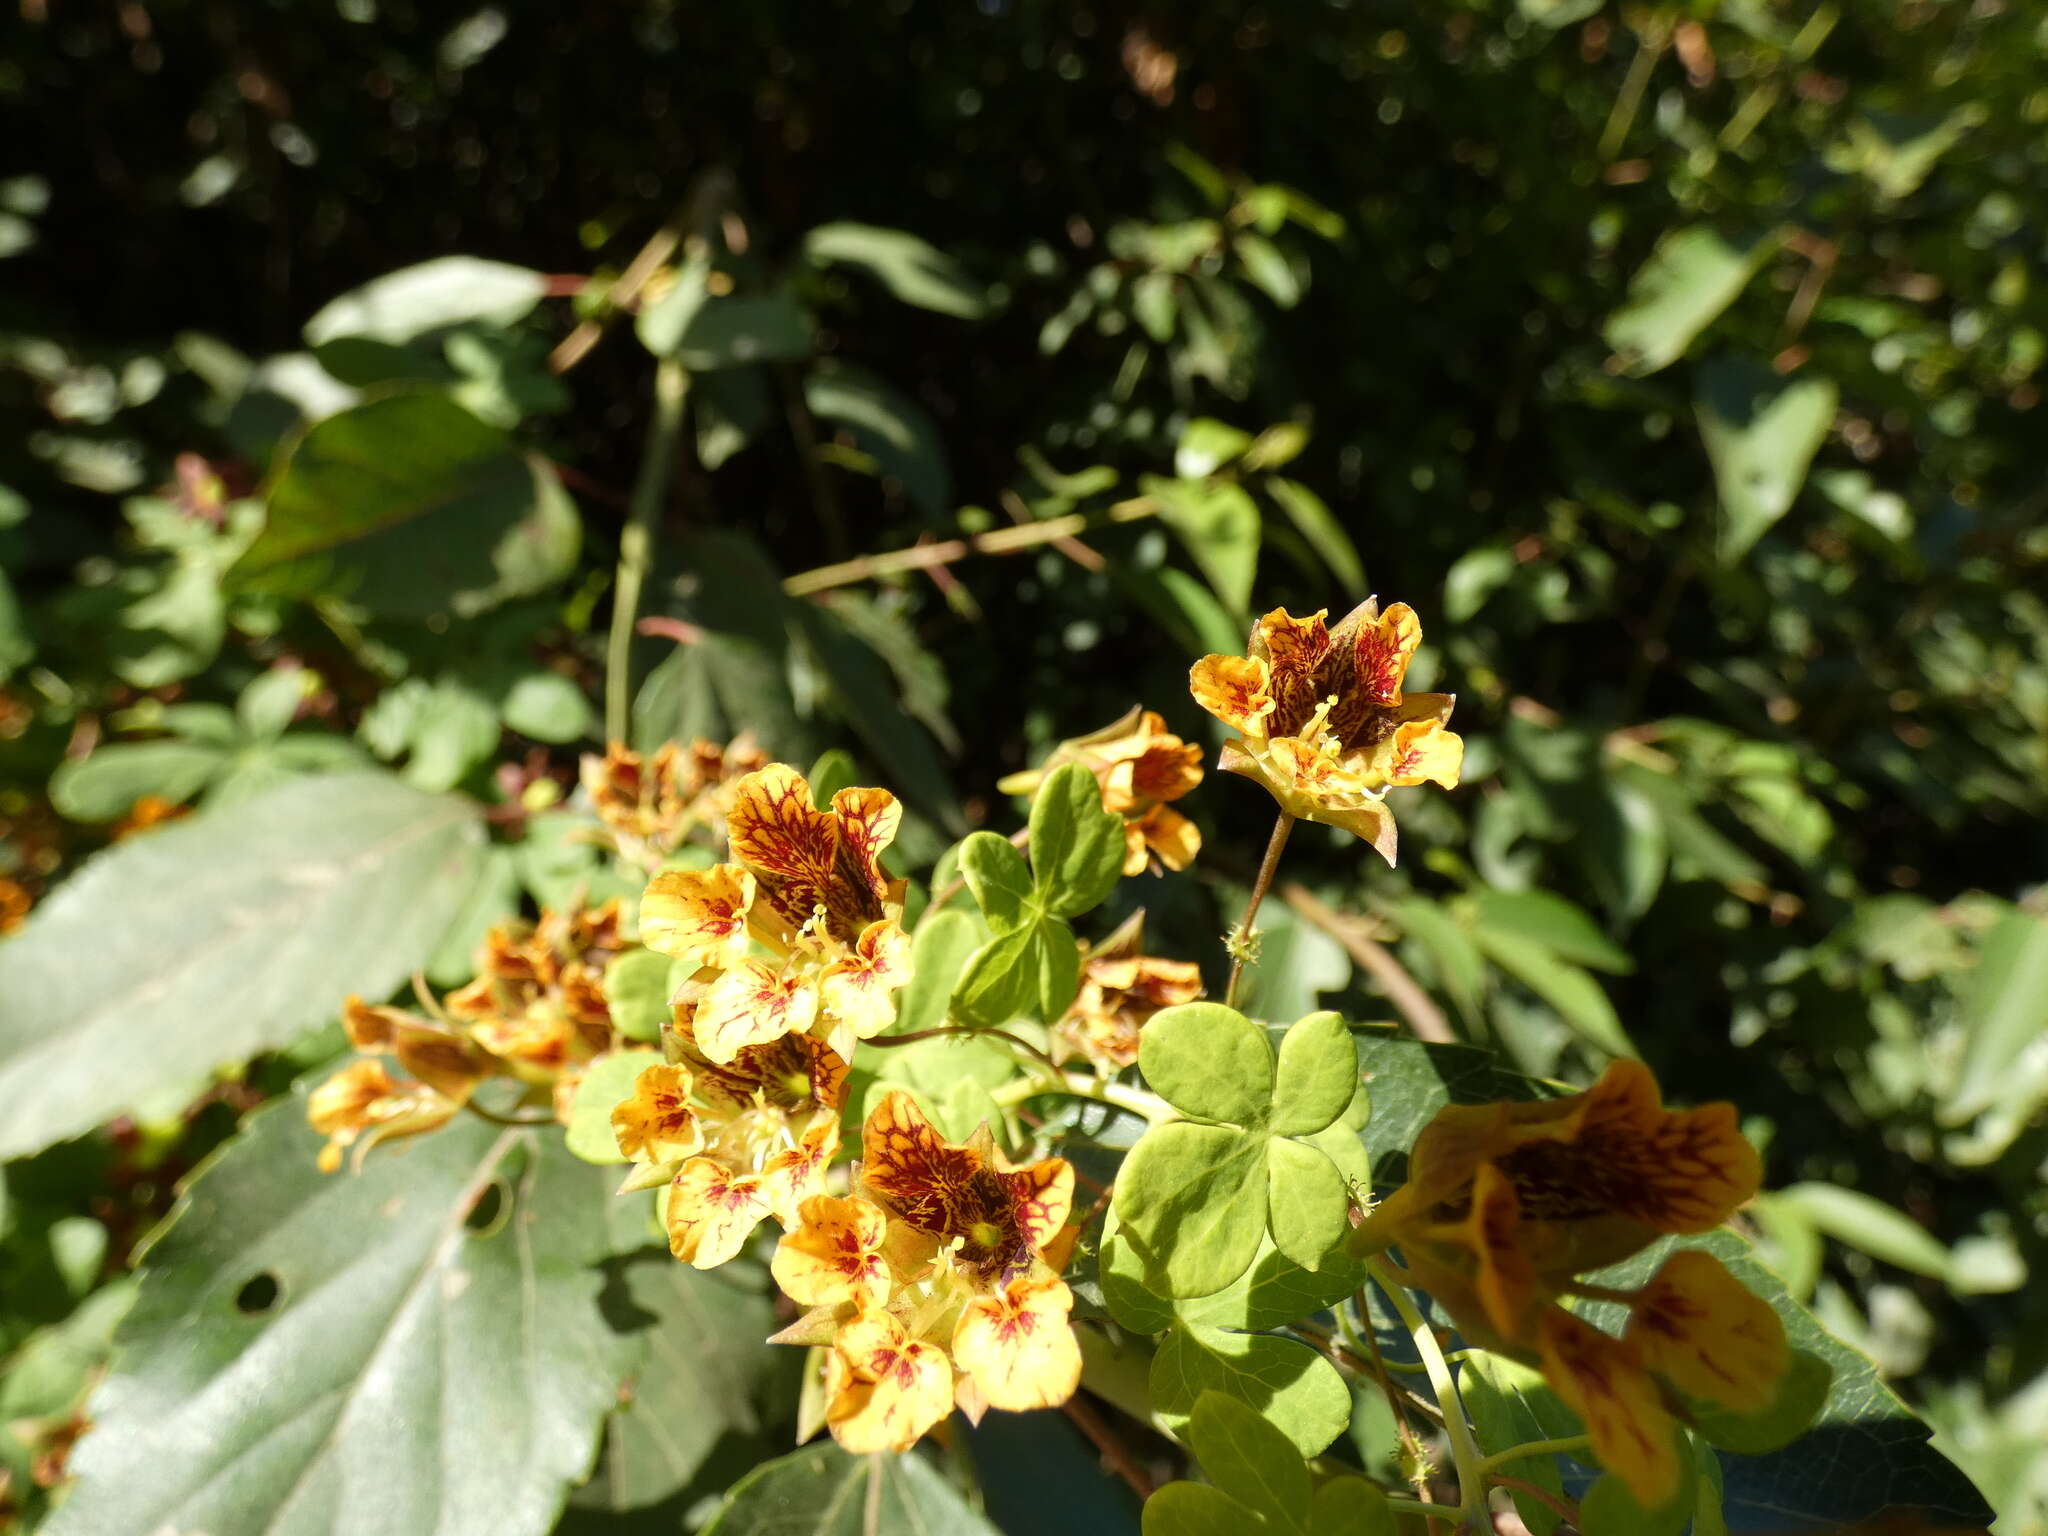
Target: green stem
(1074,1085)
(636,542)
(1464,1449)
(1563,1446)
(1283,825)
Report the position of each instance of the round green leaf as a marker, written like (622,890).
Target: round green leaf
(1609,1509)
(1209,1062)
(1248,1458)
(1316,1076)
(1192,1200)
(1077,847)
(637,988)
(999,878)
(1194,1509)
(1350,1506)
(823,1491)
(1307,1208)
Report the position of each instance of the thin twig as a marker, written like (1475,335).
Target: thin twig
(1282,825)
(1563,1506)
(1402,989)
(1001,541)
(1114,1455)
(636,542)
(621,296)
(1088,559)
(954,1032)
(497,1119)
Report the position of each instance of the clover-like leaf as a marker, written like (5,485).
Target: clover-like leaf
(1316,1075)
(1249,1459)
(1209,1062)
(1192,1200)
(1284,1380)
(1000,880)
(1077,847)
(1030,972)
(1306,1204)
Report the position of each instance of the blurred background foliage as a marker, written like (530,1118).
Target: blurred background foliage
(1681,364)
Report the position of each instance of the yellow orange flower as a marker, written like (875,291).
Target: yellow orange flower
(1323,721)
(649,804)
(432,1052)
(1015,1344)
(858,989)
(751,1004)
(712,1211)
(884,1389)
(809,862)
(1140,766)
(538,1002)
(1507,1203)
(1121,989)
(699,916)
(655,1122)
(836,1255)
(364,1098)
(1001,1216)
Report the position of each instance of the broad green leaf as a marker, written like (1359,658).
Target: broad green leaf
(1219,523)
(1267,269)
(1191,1200)
(410,504)
(1208,1061)
(1206,445)
(999,880)
(1510,1405)
(1315,1076)
(1474,577)
(1578,999)
(1316,523)
(744,328)
(420,1347)
(1691,276)
(1556,924)
(105,785)
(888,427)
(1349,1506)
(1273,1292)
(1286,1382)
(1249,1459)
(2005,1010)
(823,1491)
(1864,1222)
(493,897)
(1077,847)
(706,1391)
(265,708)
(408,303)
(1194,1509)
(939,951)
(548,707)
(608,1082)
(1761,432)
(912,269)
(1410,1082)
(221,936)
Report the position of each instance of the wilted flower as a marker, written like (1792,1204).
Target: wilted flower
(538,1003)
(651,804)
(1506,1204)
(1140,766)
(1324,723)
(363,1098)
(1121,988)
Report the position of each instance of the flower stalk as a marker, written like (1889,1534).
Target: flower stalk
(1240,940)
(636,541)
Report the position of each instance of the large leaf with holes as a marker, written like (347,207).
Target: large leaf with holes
(822,1491)
(420,1347)
(219,937)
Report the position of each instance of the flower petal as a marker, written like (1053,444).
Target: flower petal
(712,1211)
(697,915)
(1709,1334)
(654,1123)
(1380,652)
(1017,1345)
(752,1004)
(1420,752)
(1233,689)
(859,989)
(834,1255)
(1603,1381)
(883,1388)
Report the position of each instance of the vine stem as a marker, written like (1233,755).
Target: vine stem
(636,542)
(1464,1449)
(1562,1446)
(1149,1105)
(1282,825)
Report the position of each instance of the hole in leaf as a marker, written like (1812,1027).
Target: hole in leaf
(258,1295)
(487,1212)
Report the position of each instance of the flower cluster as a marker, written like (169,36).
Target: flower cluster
(934,1284)
(1506,1204)
(1141,766)
(801,934)
(536,1012)
(1121,988)
(651,804)
(1322,720)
